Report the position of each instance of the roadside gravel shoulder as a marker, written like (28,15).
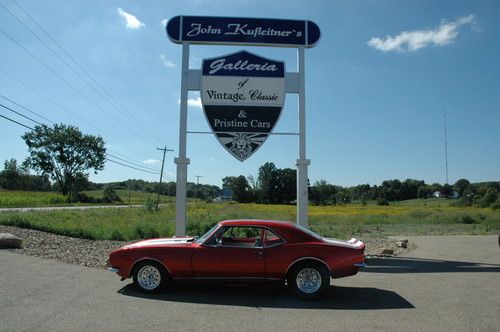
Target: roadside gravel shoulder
(94,254)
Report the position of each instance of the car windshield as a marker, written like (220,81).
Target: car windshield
(206,235)
(309,232)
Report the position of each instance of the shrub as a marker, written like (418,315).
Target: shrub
(495,205)
(489,198)
(110,195)
(382,201)
(466,219)
(82,198)
(150,203)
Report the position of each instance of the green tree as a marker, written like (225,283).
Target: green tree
(268,181)
(461,186)
(323,193)
(239,186)
(286,186)
(63,152)
(489,197)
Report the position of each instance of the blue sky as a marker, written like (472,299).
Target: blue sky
(376,86)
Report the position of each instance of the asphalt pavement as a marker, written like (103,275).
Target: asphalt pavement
(449,283)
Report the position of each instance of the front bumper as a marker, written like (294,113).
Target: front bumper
(360,264)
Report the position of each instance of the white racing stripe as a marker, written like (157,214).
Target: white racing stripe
(352,243)
(159,242)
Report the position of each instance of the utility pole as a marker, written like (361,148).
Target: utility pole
(197,183)
(164,149)
(445,144)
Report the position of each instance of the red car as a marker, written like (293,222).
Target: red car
(243,250)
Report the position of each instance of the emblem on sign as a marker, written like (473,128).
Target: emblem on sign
(242,96)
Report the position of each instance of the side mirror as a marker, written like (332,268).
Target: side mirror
(218,241)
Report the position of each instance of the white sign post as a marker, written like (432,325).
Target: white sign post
(188,30)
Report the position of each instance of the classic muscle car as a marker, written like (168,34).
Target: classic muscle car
(243,250)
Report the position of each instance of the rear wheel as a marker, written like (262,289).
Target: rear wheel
(149,276)
(309,280)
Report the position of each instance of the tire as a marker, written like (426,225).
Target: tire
(150,277)
(309,280)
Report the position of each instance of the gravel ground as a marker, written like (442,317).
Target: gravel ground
(95,253)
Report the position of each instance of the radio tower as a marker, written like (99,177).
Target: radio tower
(445,144)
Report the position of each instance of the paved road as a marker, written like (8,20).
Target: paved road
(447,283)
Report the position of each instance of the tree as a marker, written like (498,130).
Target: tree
(15,177)
(268,181)
(323,193)
(239,186)
(64,153)
(286,187)
(461,186)
(489,197)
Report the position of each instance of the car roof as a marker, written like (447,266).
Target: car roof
(286,229)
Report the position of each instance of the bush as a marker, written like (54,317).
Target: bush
(382,201)
(495,205)
(150,203)
(489,197)
(110,195)
(466,219)
(82,198)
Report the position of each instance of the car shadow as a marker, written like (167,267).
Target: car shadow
(420,265)
(275,296)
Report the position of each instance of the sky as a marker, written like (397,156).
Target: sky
(377,84)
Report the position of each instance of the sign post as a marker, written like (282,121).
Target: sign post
(242,93)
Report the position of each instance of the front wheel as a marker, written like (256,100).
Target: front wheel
(309,280)
(149,277)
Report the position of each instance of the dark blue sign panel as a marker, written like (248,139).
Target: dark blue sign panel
(243,31)
(242,96)
(243,63)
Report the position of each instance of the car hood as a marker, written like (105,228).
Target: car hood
(352,243)
(170,241)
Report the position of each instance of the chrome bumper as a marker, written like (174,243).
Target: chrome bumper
(113,269)
(360,264)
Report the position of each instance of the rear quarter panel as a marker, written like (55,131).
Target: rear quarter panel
(338,259)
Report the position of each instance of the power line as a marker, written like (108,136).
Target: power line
(144,168)
(19,123)
(132,163)
(56,104)
(69,84)
(119,163)
(20,114)
(32,112)
(120,108)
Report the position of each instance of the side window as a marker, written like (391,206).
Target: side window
(272,239)
(242,237)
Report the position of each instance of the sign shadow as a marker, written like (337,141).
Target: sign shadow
(421,265)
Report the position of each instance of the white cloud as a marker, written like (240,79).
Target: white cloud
(196,102)
(131,21)
(193,102)
(151,161)
(166,62)
(415,40)
(164,22)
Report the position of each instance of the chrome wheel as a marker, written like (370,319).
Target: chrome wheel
(308,280)
(149,277)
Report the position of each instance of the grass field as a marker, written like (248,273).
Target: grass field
(420,217)
(30,198)
(136,197)
(13,199)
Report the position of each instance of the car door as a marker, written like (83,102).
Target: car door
(234,252)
